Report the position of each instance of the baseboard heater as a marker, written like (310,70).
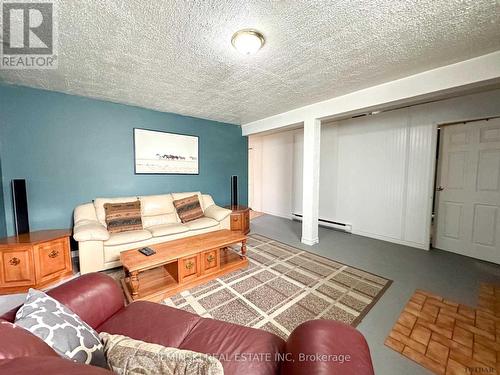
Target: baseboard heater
(328,223)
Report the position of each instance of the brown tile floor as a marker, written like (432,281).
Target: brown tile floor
(449,338)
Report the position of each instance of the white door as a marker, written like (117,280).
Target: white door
(468,196)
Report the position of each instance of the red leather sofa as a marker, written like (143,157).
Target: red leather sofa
(318,347)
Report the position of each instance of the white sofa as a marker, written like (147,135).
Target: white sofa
(100,250)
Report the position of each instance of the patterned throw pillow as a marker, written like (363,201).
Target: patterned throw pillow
(123,217)
(127,356)
(188,209)
(60,328)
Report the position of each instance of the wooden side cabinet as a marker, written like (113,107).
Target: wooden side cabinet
(240,219)
(34,260)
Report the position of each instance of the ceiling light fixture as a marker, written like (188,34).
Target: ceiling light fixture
(248,41)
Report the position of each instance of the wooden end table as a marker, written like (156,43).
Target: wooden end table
(240,218)
(181,264)
(34,260)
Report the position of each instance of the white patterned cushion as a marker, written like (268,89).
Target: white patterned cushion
(127,356)
(60,328)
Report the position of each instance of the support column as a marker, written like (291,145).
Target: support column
(310,176)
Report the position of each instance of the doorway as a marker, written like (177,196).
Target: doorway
(468,190)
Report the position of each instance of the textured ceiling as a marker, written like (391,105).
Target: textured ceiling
(176,56)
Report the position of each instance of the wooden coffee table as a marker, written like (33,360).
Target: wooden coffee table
(181,264)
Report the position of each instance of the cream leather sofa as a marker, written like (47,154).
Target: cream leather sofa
(100,250)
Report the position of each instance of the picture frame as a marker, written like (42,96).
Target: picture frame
(159,152)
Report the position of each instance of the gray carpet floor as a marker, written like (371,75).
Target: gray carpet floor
(450,275)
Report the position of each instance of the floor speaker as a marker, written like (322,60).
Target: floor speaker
(20,201)
(234,190)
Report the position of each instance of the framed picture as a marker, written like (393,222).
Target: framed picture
(159,152)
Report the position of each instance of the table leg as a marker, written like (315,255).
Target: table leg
(134,284)
(244,249)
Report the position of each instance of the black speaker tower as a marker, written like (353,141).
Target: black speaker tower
(20,201)
(234,190)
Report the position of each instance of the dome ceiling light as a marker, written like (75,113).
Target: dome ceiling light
(248,41)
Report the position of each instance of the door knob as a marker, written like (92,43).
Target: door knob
(440,188)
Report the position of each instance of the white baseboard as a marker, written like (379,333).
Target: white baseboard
(391,239)
(282,215)
(327,223)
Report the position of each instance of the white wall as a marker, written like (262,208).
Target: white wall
(328,172)
(369,171)
(376,171)
(271,168)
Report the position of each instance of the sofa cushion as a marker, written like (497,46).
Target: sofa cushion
(188,209)
(204,222)
(151,221)
(128,237)
(123,217)
(152,205)
(100,202)
(168,326)
(206,201)
(168,229)
(60,328)
(157,210)
(232,342)
(134,357)
(85,212)
(151,322)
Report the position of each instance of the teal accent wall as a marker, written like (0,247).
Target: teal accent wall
(72,149)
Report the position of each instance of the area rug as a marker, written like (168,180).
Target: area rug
(282,287)
(449,338)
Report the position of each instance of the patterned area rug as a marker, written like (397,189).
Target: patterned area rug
(449,338)
(283,287)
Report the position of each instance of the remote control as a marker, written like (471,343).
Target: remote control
(147,251)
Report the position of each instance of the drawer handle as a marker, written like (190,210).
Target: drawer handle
(210,258)
(15,261)
(189,265)
(53,254)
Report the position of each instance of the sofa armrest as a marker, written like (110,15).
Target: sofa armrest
(19,342)
(216,212)
(94,297)
(90,230)
(325,347)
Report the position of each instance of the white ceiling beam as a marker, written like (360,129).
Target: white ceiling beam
(444,80)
